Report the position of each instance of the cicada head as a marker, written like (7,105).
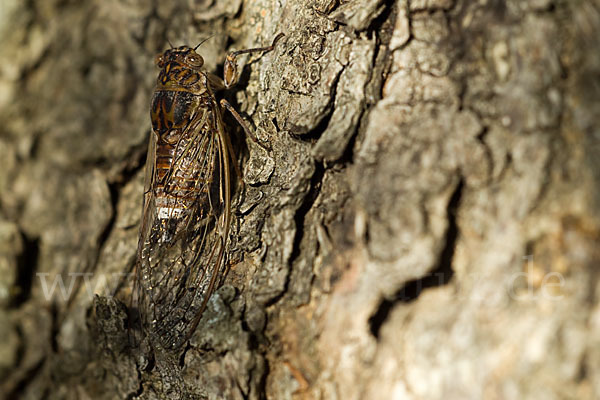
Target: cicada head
(179,66)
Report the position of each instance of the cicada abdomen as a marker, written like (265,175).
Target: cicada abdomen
(186,212)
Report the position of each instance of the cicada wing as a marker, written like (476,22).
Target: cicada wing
(180,258)
(138,302)
(148,211)
(209,261)
(150,171)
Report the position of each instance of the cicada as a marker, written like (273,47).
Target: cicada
(187,200)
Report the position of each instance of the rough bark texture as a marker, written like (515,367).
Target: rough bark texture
(425,225)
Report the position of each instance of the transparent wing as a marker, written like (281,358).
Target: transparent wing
(136,303)
(180,258)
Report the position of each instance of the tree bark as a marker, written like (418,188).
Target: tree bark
(424,224)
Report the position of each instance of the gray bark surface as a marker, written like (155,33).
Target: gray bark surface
(424,225)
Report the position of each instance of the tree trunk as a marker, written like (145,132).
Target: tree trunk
(424,224)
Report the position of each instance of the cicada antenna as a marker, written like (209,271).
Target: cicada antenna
(203,40)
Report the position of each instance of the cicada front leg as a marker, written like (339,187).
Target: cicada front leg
(230,69)
(230,79)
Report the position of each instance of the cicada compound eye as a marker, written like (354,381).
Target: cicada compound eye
(194,59)
(159,60)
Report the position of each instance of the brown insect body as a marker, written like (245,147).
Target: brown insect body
(186,212)
(184,113)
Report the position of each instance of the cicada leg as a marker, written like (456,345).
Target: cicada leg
(230,78)
(230,69)
(241,121)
